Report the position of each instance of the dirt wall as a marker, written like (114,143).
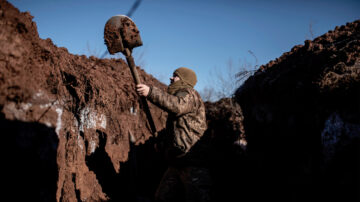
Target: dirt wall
(73,129)
(302,120)
(66,120)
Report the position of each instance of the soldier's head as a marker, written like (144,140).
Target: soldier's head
(185,74)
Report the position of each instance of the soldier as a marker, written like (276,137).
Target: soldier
(185,179)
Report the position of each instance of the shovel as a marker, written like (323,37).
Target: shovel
(122,35)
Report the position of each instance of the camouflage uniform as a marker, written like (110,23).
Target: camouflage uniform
(183,180)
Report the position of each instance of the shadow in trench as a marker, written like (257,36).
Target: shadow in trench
(138,177)
(29,165)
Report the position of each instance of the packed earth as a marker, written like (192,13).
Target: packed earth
(73,127)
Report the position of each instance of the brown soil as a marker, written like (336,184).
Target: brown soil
(73,129)
(76,108)
(74,125)
(302,120)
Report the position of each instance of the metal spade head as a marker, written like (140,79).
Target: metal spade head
(121,33)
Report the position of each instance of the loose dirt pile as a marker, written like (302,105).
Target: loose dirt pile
(302,120)
(62,112)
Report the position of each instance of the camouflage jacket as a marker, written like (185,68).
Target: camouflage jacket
(186,121)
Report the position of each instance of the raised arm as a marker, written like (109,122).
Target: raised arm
(181,103)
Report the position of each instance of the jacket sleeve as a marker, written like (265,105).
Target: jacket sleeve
(175,104)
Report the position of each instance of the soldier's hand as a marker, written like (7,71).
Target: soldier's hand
(142,89)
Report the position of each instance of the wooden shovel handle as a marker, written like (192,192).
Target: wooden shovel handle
(131,63)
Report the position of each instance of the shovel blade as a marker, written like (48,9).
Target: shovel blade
(120,32)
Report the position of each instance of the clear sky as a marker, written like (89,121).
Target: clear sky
(199,34)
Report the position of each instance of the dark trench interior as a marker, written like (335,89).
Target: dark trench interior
(29,165)
(270,169)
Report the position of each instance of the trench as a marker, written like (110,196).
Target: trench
(287,106)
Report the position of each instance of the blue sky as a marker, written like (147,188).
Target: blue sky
(200,34)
